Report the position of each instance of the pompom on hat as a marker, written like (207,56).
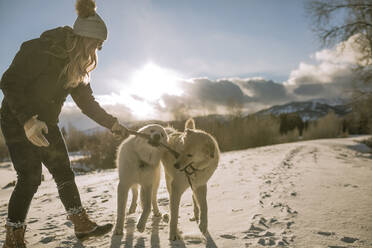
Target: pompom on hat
(89,23)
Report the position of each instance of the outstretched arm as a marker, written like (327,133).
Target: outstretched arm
(84,99)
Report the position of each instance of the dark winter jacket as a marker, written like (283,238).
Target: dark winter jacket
(32,84)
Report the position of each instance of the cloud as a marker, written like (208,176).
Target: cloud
(219,92)
(72,115)
(203,95)
(309,89)
(264,91)
(330,76)
(200,96)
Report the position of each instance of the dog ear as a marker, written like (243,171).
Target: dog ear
(190,124)
(209,149)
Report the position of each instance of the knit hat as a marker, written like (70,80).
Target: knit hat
(89,23)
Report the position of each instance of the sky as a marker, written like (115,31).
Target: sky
(164,57)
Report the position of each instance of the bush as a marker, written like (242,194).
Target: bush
(290,122)
(330,126)
(233,134)
(241,133)
(75,139)
(102,148)
(359,121)
(291,136)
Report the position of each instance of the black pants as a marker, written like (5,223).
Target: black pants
(27,160)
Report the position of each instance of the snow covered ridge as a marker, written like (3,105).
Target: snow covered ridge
(310,110)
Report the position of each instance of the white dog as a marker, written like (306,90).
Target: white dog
(199,157)
(138,161)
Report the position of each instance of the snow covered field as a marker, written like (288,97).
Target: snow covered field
(305,194)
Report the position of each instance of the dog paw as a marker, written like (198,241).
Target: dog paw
(141,227)
(203,227)
(118,231)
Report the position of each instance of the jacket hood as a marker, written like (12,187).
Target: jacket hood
(56,40)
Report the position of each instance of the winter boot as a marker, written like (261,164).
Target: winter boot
(85,228)
(15,237)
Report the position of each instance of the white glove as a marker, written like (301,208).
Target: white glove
(34,131)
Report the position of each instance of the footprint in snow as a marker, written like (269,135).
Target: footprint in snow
(194,242)
(32,221)
(348,240)
(228,236)
(47,240)
(325,233)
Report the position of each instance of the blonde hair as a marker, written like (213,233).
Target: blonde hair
(82,54)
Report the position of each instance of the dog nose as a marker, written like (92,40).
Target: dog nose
(177,165)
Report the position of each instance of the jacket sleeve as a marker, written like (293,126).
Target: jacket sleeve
(84,99)
(26,65)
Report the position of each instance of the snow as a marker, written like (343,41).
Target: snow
(310,110)
(304,194)
(331,101)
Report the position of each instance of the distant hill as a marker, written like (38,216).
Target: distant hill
(307,110)
(310,110)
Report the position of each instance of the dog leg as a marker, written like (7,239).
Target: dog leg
(121,206)
(133,205)
(196,209)
(175,198)
(146,193)
(201,197)
(155,187)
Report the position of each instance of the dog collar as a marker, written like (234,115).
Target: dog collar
(189,169)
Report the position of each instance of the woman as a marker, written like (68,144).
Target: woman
(43,73)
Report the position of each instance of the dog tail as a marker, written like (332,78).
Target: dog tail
(190,124)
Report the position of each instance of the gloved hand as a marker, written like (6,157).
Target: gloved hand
(119,131)
(34,131)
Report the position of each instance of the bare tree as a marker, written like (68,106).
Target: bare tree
(339,20)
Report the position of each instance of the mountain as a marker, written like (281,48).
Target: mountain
(310,110)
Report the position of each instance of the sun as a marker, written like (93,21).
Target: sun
(147,86)
(152,81)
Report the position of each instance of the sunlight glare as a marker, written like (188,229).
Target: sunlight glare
(146,88)
(138,108)
(152,81)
